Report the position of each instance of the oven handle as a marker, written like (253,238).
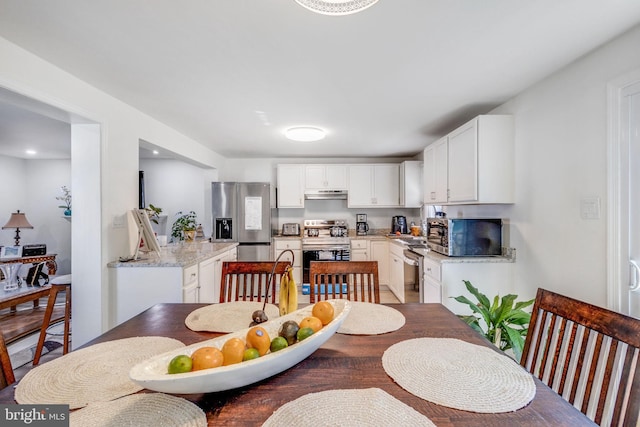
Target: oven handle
(324,248)
(412,258)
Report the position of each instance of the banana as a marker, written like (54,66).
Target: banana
(283,300)
(293,292)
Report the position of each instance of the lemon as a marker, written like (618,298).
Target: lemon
(278,343)
(180,364)
(304,333)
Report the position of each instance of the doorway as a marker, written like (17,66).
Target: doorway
(624,195)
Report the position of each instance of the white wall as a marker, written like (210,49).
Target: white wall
(35,184)
(116,190)
(561,157)
(175,186)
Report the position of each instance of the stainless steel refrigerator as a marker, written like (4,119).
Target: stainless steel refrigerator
(241,212)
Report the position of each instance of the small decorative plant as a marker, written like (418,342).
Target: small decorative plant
(154,213)
(507,324)
(184,226)
(66,199)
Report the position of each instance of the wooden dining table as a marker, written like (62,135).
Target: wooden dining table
(343,362)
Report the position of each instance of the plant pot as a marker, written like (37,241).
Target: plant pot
(189,235)
(67,212)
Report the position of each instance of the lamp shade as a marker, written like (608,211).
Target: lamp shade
(17,220)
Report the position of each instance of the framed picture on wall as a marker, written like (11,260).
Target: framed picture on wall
(8,252)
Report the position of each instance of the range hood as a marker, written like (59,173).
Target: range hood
(325,194)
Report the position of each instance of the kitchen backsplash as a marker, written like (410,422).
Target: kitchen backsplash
(379,218)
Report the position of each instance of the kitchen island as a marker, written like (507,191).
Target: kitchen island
(187,272)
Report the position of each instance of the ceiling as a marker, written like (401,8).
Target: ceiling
(233,74)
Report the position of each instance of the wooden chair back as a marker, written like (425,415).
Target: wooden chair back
(329,278)
(588,355)
(248,280)
(6,370)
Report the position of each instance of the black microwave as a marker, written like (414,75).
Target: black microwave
(465,236)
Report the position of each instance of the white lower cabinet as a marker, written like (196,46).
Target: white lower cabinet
(396,271)
(379,251)
(211,274)
(445,280)
(359,250)
(190,284)
(135,289)
(295,245)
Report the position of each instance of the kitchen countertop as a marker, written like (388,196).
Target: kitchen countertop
(403,239)
(178,255)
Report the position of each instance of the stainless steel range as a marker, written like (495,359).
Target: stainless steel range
(323,240)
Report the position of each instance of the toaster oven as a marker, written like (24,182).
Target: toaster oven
(290,229)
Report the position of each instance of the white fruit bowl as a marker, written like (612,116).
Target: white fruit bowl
(152,373)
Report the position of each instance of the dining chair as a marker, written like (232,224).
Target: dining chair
(249,280)
(6,370)
(588,355)
(353,280)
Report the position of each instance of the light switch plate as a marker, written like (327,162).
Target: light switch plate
(590,208)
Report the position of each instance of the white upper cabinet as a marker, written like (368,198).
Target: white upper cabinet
(435,172)
(325,177)
(290,186)
(474,163)
(374,185)
(411,184)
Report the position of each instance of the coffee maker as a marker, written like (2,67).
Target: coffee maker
(361,225)
(399,225)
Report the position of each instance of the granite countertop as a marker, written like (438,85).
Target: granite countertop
(178,255)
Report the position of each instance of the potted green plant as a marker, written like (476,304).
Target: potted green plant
(506,322)
(153,212)
(184,227)
(66,199)
(158,221)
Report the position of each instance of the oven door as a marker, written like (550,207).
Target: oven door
(317,253)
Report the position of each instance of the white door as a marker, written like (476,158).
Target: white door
(624,195)
(630,135)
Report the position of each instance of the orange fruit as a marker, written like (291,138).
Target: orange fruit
(232,351)
(311,322)
(258,338)
(206,358)
(323,310)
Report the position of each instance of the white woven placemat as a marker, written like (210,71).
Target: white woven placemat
(354,407)
(143,409)
(371,319)
(459,375)
(227,317)
(97,373)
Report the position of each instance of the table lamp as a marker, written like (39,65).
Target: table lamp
(18,220)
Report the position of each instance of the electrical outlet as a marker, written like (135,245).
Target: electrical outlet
(118,221)
(590,208)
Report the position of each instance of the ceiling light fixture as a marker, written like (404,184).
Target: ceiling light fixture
(305,133)
(31,152)
(336,7)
